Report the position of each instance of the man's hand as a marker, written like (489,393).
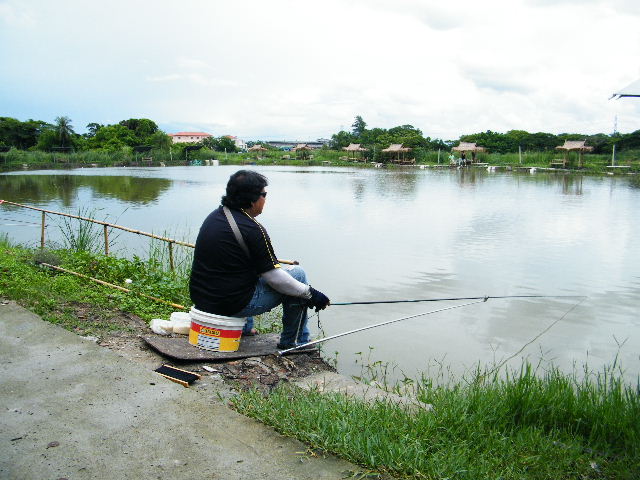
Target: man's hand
(318,300)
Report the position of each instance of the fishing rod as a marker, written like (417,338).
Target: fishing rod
(107,284)
(485,298)
(306,345)
(477,300)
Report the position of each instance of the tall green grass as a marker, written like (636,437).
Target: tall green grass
(519,424)
(81,235)
(158,252)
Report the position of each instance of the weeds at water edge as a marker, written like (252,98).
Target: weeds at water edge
(519,424)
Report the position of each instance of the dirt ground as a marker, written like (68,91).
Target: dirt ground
(220,379)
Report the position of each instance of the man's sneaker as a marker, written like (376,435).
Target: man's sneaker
(301,348)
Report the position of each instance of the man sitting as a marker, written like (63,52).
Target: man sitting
(236,280)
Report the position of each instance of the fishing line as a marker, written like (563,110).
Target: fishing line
(306,345)
(485,297)
(300,317)
(545,330)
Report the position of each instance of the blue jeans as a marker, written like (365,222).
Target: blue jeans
(294,309)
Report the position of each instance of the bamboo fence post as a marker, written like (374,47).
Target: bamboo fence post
(42,231)
(171,256)
(106,240)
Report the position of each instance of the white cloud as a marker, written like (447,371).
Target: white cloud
(623,6)
(15,15)
(195,78)
(436,15)
(295,69)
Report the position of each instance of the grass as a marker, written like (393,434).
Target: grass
(54,295)
(524,424)
(158,252)
(82,236)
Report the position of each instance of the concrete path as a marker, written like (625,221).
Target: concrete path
(72,409)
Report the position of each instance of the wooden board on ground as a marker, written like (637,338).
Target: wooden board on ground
(179,348)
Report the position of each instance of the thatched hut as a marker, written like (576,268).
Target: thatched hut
(258,149)
(302,150)
(352,152)
(573,146)
(469,147)
(399,154)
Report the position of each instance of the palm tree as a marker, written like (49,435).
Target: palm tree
(64,129)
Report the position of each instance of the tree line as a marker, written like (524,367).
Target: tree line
(494,142)
(126,135)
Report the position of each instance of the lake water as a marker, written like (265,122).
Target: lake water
(375,234)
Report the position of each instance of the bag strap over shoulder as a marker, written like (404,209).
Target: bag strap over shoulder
(236,230)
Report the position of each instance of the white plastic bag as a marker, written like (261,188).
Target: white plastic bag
(181,322)
(161,327)
(182,317)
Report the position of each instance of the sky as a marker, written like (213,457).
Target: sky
(303,70)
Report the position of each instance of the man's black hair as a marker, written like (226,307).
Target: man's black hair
(244,188)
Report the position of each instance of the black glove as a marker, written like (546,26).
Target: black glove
(318,300)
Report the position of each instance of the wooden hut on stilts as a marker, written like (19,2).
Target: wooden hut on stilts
(354,152)
(398,154)
(572,146)
(468,148)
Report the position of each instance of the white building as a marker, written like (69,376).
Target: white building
(240,144)
(184,137)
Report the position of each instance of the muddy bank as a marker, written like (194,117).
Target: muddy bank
(124,336)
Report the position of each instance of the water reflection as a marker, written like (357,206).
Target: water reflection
(397,183)
(634,181)
(359,187)
(44,188)
(572,185)
(470,176)
(568,184)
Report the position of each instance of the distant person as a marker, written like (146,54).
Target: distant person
(473,157)
(463,158)
(229,279)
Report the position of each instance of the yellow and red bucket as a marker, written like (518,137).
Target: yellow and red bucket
(215,332)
